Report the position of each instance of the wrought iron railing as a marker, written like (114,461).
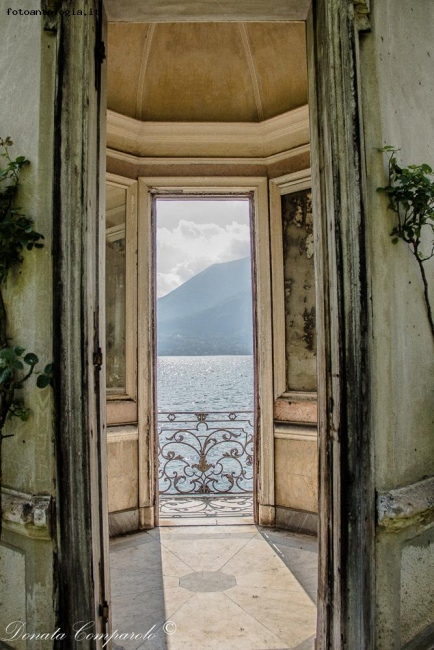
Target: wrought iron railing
(205,453)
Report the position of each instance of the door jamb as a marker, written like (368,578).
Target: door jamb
(261,246)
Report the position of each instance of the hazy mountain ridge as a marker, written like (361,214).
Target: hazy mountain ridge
(209,314)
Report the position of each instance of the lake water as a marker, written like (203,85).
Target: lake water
(214,455)
(219,383)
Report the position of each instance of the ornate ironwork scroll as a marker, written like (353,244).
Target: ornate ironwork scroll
(205,453)
(205,506)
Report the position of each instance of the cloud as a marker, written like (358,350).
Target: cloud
(222,212)
(187,246)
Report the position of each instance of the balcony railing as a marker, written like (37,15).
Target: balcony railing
(205,453)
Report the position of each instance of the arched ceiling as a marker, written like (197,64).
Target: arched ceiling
(206,72)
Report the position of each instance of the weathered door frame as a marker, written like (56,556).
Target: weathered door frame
(82,562)
(260,237)
(346,587)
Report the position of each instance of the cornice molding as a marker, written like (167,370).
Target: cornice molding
(211,139)
(145,160)
(294,182)
(206,11)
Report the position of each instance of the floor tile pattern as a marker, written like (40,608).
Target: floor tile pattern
(214,588)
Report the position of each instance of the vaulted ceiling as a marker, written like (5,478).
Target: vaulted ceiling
(206,72)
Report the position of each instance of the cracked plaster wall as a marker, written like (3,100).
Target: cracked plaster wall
(27,92)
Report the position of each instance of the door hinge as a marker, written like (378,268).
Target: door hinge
(104,611)
(100,54)
(97,359)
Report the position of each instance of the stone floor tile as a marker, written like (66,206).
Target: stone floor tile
(199,530)
(308,644)
(291,615)
(147,566)
(171,522)
(127,541)
(235,521)
(268,608)
(288,538)
(214,622)
(278,579)
(254,556)
(141,613)
(205,554)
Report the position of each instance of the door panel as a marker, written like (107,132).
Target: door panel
(79,236)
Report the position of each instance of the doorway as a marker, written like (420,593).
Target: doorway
(205,397)
(251,195)
(267,141)
(347,545)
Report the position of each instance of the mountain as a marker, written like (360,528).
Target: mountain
(209,314)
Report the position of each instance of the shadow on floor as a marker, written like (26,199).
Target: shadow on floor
(214,588)
(299,553)
(137,591)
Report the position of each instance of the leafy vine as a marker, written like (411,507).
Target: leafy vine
(411,197)
(16,236)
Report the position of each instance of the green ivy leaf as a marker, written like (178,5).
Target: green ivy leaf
(7,354)
(5,375)
(42,381)
(31,359)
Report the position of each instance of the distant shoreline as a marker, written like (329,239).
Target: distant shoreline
(210,354)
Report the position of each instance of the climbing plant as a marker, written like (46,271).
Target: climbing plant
(17,235)
(411,197)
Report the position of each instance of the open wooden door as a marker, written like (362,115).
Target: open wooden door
(79,243)
(346,589)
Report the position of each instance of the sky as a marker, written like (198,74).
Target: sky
(193,234)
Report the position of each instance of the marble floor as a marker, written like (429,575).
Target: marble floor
(220,587)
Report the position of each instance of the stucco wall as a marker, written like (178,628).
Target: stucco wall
(25,50)
(12,591)
(402,348)
(398,92)
(417,577)
(26,89)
